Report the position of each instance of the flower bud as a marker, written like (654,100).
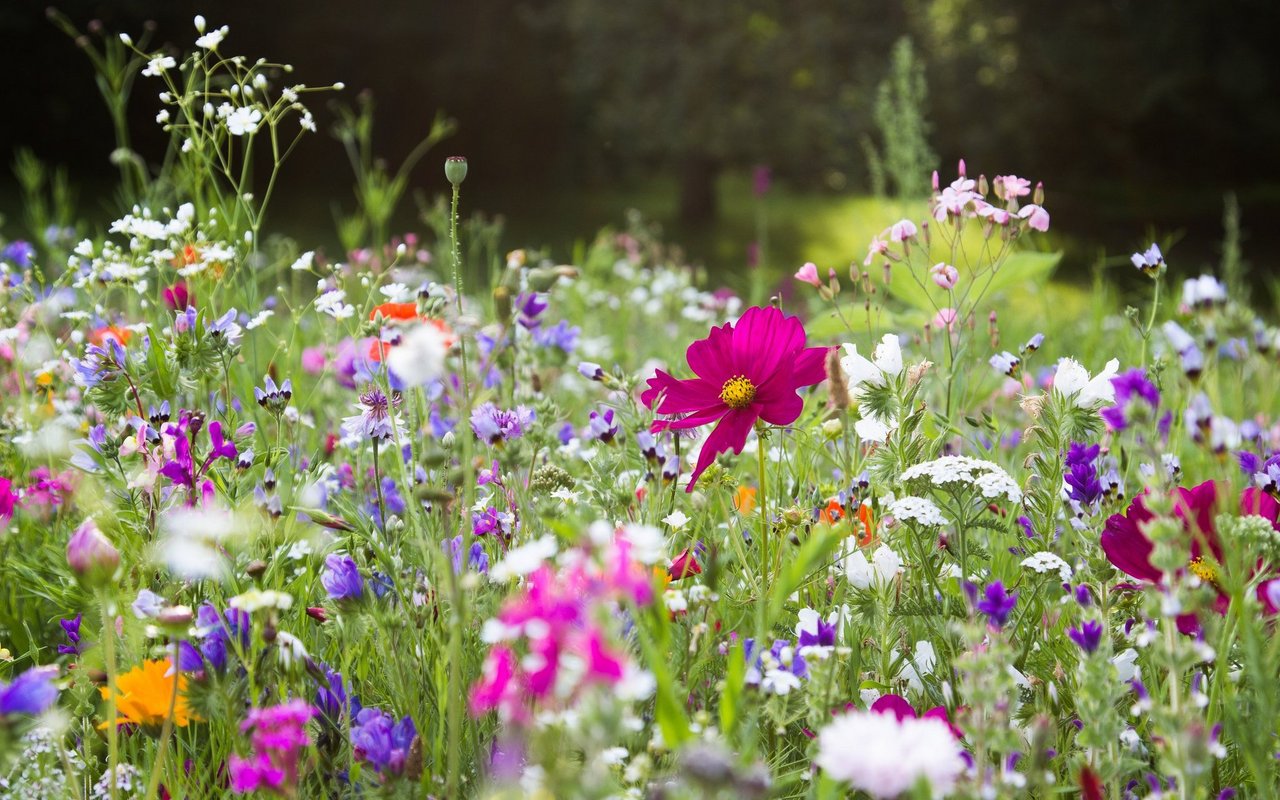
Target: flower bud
(91,555)
(455,169)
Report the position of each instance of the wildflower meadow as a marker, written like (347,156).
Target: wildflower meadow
(421,518)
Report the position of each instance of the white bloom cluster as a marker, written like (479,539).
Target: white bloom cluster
(886,757)
(990,479)
(157,242)
(333,303)
(1044,562)
(918,509)
(523,560)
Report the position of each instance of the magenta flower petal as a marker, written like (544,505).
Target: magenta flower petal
(1126,547)
(730,434)
(894,704)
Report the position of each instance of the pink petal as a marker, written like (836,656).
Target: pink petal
(712,358)
(762,340)
(679,397)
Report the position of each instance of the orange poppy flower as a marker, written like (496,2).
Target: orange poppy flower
(400,314)
(833,513)
(744,499)
(868,520)
(143,695)
(101,335)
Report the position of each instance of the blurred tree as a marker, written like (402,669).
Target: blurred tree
(700,87)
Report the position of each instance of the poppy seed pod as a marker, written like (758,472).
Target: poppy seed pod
(455,169)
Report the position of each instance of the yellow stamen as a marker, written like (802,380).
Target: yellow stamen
(738,392)
(1203,570)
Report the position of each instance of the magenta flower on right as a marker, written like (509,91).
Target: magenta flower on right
(746,371)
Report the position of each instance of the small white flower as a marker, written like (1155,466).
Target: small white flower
(304,261)
(779,682)
(676,519)
(158,65)
(243,120)
(212,39)
(1071,380)
(259,318)
(859,372)
(258,599)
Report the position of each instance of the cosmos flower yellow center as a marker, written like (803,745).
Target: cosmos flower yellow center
(738,392)
(1203,570)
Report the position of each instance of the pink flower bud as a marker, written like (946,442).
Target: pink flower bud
(962,170)
(944,275)
(91,555)
(809,274)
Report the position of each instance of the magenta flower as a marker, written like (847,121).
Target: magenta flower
(747,371)
(278,738)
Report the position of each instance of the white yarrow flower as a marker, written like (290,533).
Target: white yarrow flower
(921,510)
(1045,562)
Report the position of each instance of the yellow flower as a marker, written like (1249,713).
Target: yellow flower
(144,693)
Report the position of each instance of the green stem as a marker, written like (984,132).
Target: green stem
(762,492)
(157,768)
(1151,320)
(109,654)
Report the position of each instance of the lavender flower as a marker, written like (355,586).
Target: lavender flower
(997,603)
(1082,474)
(1005,363)
(492,424)
(380,741)
(32,692)
(602,426)
(71,627)
(1088,636)
(377,420)
(341,578)
(1136,397)
(1150,261)
(273,398)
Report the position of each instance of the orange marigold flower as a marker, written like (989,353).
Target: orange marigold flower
(144,694)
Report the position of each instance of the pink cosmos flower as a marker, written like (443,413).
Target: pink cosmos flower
(944,275)
(809,274)
(747,371)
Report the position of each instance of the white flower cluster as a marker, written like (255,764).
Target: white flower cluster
(921,510)
(886,757)
(172,240)
(1044,562)
(990,479)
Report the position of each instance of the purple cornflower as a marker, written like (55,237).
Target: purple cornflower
(32,692)
(529,307)
(377,420)
(1005,363)
(380,741)
(1082,474)
(492,424)
(562,335)
(100,362)
(602,426)
(341,578)
(331,694)
(19,253)
(71,627)
(997,603)
(1150,261)
(217,631)
(477,558)
(273,398)
(1136,397)
(1088,636)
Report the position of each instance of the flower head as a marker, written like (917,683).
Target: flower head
(143,695)
(885,756)
(997,603)
(341,578)
(747,371)
(31,692)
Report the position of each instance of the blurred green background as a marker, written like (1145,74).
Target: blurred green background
(1139,117)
